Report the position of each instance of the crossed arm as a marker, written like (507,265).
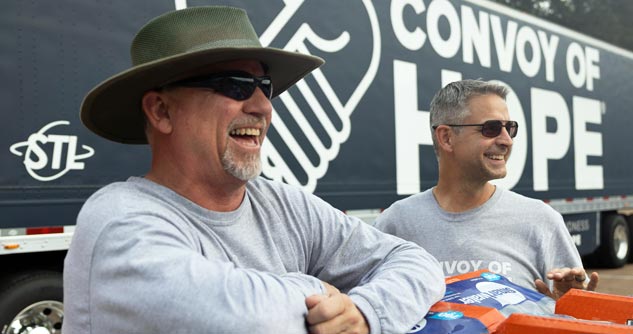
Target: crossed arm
(157,267)
(334,312)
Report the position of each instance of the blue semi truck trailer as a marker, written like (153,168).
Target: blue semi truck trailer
(355,132)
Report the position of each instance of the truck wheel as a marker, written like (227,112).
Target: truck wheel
(31,302)
(615,242)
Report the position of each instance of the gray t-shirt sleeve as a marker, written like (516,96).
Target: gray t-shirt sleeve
(392,281)
(559,248)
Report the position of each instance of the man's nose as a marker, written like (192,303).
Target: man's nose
(258,103)
(504,137)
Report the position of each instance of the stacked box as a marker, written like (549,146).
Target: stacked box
(590,305)
(531,324)
(482,302)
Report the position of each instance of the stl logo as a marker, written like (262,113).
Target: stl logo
(38,147)
(313,119)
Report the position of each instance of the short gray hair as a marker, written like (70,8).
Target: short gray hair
(450,104)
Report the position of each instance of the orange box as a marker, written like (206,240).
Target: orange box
(463,277)
(488,316)
(518,323)
(590,305)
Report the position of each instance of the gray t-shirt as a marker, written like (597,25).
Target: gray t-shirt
(512,235)
(146,260)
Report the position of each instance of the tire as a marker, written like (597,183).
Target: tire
(629,219)
(615,242)
(31,300)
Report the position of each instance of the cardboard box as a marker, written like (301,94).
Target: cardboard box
(590,305)
(531,324)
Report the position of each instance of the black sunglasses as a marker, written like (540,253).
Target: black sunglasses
(237,85)
(492,129)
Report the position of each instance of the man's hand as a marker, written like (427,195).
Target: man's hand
(334,312)
(565,279)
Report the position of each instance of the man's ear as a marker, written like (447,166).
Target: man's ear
(157,112)
(444,137)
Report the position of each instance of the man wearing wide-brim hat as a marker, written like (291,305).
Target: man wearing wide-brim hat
(201,244)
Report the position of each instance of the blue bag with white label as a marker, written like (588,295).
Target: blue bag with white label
(462,310)
(485,288)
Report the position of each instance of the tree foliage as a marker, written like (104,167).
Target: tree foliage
(607,20)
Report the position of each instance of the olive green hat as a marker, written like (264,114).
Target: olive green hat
(173,46)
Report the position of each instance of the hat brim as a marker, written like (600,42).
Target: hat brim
(113,108)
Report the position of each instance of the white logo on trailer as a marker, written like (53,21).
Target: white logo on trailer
(36,158)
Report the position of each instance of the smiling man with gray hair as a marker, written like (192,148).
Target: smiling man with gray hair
(201,244)
(483,226)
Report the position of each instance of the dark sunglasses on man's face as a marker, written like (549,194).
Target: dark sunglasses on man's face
(492,129)
(237,85)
